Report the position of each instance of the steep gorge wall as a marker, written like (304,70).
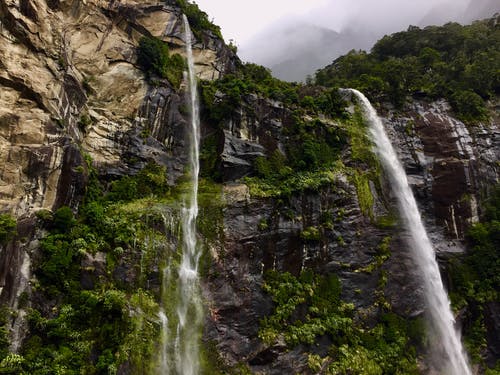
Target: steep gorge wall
(62,62)
(451,168)
(70,86)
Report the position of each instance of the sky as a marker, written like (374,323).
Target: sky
(241,20)
(269,32)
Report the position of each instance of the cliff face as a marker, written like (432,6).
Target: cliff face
(70,86)
(451,168)
(63,61)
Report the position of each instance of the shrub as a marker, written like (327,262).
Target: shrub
(468,105)
(7,228)
(63,219)
(153,57)
(198,20)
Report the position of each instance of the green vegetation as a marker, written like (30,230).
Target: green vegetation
(154,58)
(311,234)
(92,327)
(4,334)
(309,306)
(475,277)
(252,79)
(7,228)
(312,146)
(198,20)
(94,271)
(459,63)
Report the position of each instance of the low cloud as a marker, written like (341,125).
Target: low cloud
(295,47)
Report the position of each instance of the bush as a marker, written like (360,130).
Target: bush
(468,105)
(153,57)
(198,20)
(7,228)
(63,220)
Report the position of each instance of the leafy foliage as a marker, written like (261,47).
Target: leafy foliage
(253,79)
(309,306)
(476,276)
(7,228)
(312,145)
(459,63)
(153,56)
(92,328)
(198,20)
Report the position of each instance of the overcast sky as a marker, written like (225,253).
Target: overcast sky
(269,31)
(241,20)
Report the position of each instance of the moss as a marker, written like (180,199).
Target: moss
(140,344)
(361,146)
(293,183)
(310,234)
(383,253)
(386,221)
(365,197)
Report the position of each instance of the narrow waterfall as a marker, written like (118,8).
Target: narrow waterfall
(189,308)
(181,329)
(438,304)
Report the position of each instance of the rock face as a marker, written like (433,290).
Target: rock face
(450,165)
(70,87)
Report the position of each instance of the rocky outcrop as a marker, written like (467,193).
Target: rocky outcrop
(62,61)
(69,87)
(450,165)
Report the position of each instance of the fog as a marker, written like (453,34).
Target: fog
(296,37)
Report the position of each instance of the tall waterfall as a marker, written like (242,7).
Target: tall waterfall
(189,308)
(181,332)
(442,320)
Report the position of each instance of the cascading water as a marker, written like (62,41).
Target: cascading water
(180,354)
(189,309)
(442,320)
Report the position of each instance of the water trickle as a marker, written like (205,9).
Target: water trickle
(181,330)
(454,361)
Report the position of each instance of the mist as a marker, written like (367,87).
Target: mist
(295,47)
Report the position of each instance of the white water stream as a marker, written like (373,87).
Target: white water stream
(454,360)
(189,308)
(181,345)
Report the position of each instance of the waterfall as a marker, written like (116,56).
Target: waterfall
(438,304)
(180,354)
(189,308)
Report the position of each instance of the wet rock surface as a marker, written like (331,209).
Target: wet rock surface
(65,61)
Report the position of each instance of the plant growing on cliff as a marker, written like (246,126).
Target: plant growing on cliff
(309,306)
(475,276)
(7,228)
(454,62)
(153,56)
(198,20)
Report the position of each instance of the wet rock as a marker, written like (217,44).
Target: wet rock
(238,157)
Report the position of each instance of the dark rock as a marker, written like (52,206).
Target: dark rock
(73,180)
(492,323)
